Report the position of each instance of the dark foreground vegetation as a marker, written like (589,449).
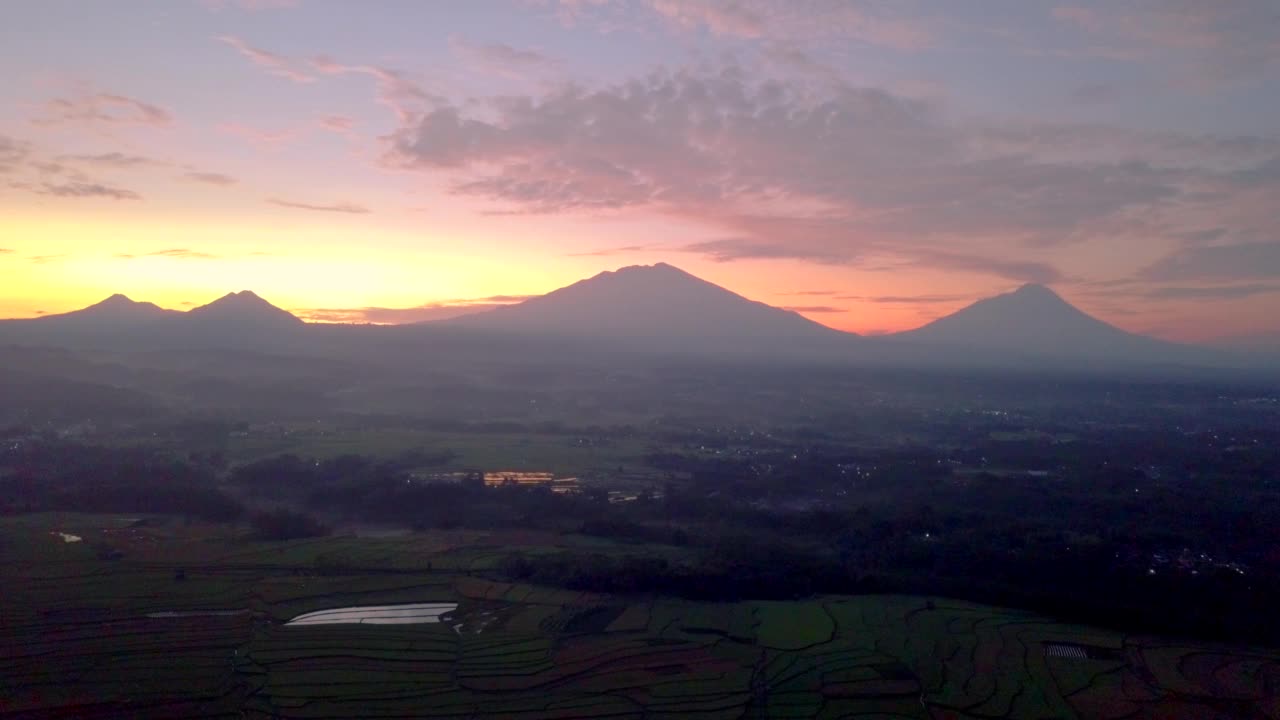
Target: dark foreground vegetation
(194,620)
(1116,545)
(720,543)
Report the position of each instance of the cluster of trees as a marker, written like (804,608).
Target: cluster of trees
(1081,550)
(286,524)
(1087,549)
(38,476)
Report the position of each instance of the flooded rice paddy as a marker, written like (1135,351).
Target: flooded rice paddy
(377,614)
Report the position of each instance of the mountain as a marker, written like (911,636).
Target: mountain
(242,310)
(634,312)
(115,318)
(659,308)
(121,323)
(1035,322)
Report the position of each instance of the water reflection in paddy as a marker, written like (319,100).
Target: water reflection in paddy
(377,614)
(196,613)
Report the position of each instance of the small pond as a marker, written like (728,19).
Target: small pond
(377,614)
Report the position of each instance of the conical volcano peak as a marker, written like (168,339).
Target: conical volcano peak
(1033,289)
(1037,293)
(244,297)
(658,306)
(1034,321)
(120,303)
(243,305)
(659,280)
(114,311)
(656,270)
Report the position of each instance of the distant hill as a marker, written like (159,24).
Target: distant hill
(1034,322)
(115,309)
(1266,344)
(121,322)
(659,308)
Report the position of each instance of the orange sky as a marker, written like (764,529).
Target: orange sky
(868,171)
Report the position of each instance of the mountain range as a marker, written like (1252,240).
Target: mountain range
(659,310)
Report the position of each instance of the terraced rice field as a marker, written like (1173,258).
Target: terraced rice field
(86,633)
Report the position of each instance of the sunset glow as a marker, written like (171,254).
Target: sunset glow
(859,163)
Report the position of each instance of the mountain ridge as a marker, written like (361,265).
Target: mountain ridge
(657,310)
(117,306)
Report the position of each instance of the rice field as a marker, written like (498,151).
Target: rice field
(193,621)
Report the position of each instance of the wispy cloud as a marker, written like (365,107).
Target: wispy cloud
(182,254)
(1222,42)
(396,89)
(1017,270)
(872,23)
(271,62)
(610,252)
(262,138)
(337,123)
(429,312)
(731,249)
(210,178)
(113,160)
(339,207)
(500,59)
(907,299)
(12,153)
(1221,292)
(815,309)
(86,190)
(45,259)
(103,108)
(1245,261)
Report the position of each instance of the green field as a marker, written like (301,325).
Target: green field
(76,641)
(560,454)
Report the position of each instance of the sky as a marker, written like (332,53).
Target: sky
(871,164)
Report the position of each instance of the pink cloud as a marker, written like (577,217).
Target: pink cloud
(273,139)
(211,178)
(863,22)
(338,207)
(429,312)
(500,59)
(104,108)
(837,175)
(395,89)
(115,160)
(86,190)
(722,18)
(337,123)
(1219,41)
(273,63)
